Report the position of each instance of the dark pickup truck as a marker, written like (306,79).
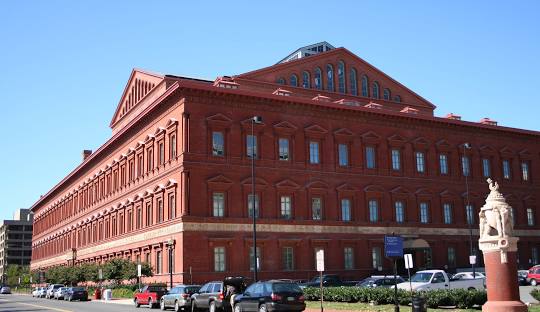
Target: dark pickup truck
(328,280)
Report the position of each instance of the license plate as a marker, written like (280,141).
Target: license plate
(290,298)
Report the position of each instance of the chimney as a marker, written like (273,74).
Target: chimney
(86,154)
(453,116)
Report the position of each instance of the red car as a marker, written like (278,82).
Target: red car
(533,277)
(149,295)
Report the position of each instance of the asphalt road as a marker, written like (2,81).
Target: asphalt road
(25,303)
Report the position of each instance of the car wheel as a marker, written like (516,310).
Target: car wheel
(212,307)
(262,308)
(176,307)
(162,305)
(534,282)
(150,303)
(136,302)
(237,308)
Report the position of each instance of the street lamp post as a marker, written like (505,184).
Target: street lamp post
(170,245)
(254,120)
(472,257)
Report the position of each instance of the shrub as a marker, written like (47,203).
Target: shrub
(535,293)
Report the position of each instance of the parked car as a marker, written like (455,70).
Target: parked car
(49,294)
(179,297)
(273,295)
(76,293)
(212,296)
(5,290)
(467,275)
(380,281)
(149,295)
(438,279)
(328,280)
(39,292)
(533,276)
(60,293)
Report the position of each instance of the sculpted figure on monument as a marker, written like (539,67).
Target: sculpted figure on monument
(495,216)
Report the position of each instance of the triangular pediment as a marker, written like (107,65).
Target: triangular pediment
(317,185)
(370,136)
(525,153)
(423,192)
(507,151)
(343,132)
(139,85)
(421,142)
(258,182)
(346,187)
(285,126)
(374,188)
(443,145)
(287,183)
(447,194)
(221,179)
(218,119)
(487,150)
(400,190)
(316,129)
(396,140)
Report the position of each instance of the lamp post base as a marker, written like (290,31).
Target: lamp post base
(504,306)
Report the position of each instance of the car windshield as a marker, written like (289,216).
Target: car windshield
(77,288)
(421,277)
(191,290)
(286,287)
(157,288)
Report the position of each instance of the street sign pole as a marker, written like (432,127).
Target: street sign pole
(320,268)
(393,249)
(408,266)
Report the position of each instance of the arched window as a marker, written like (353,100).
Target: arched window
(375,91)
(330,77)
(318,78)
(397,98)
(281,80)
(352,82)
(293,81)
(305,80)
(365,88)
(341,77)
(386,94)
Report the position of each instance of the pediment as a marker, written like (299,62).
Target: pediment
(525,154)
(443,145)
(343,132)
(529,200)
(423,192)
(258,182)
(316,129)
(371,137)
(288,184)
(487,150)
(285,127)
(421,142)
(507,151)
(374,188)
(246,124)
(219,179)
(400,190)
(396,140)
(447,194)
(346,187)
(317,185)
(218,119)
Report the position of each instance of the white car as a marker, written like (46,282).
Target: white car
(438,279)
(60,293)
(39,292)
(468,275)
(49,293)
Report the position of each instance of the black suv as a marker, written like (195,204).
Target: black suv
(213,295)
(380,281)
(274,295)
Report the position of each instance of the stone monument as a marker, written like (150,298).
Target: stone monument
(499,248)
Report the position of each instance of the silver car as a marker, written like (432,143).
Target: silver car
(179,298)
(49,294)
(60,293)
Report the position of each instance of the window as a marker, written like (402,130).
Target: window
(465,165)
(159,262)
(159,210)
(513,216)
(400,211)
(288,258)
(447,212)
(341,77)
(373,211)
(251,146)
(293,81)
(316,208)
(281,80)
(147,258)
(306,80)
(376,257)
(150,160)
(397,99)
(348,257)
(469,211)
(386,94)
(330,78)
(139,218)
(420,162)
(530,217)
(286,211)
(506,169)
(259,260)
(318,79)
(172,206)
(365,88)
(534,255)
(314,152)
(283,144)
(346,209)
(343,156)
(149,214)
(375,90)
(353,84)
(219,259)
(253,200)
(370,157)
(443,163)
(173,146)
(140,171)
(161,153)
(525,171)
(218,146)
(396,160)
(424,212)
(486,168)
(218,204)
(451,256)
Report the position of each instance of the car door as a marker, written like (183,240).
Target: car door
(199,298)
(246,303)
(438,281)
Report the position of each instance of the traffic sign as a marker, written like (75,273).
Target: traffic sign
(408,261)
(393,246)
(320,260)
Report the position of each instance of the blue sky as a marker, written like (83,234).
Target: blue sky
(65,63)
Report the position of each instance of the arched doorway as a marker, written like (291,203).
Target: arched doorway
(421,253)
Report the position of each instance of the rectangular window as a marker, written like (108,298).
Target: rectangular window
(370,157)
(285,203)
(172,139)
(218,204)
(420,162)
(506,169)
(314,152)
(149,218)
(147,258)
(373,211)
(172,206)
(343,156)
(218,146)
(447,211)
(525,171)
(150,160)
(259,259)
(161,153)
(465,165)
(159,210)
(424,212)
(469,209)
(219,259)
(139,168)
(251,146)
(513,216)
(486,168)
(316,208)
(139,218)
(534,255)
(348,257)
(283,149)
(288,258)
(396,160)
(159,262)
(530,217)
(253,202)
(376,258)
(451,256)
(400,212)
(346,209)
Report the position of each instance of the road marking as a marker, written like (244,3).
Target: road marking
(37,306)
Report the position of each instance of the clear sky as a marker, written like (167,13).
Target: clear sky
(65,63)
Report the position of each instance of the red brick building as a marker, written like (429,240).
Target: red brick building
(344,155)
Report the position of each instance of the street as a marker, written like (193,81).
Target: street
(26,303)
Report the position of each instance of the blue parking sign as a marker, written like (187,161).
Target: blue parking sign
(393,246)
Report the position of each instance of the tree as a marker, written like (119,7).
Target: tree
(121,269)
(14,272)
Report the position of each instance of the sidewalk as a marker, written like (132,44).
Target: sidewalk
(116,301)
